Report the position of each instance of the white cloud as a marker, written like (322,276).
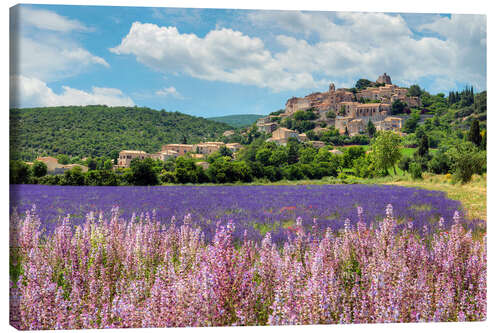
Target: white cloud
(347,46)
(31,92)
(41,46)
(222,55)
(52,59)
(354,45)
(169,91)
(46,20)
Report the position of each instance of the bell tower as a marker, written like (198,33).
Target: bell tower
(332,87)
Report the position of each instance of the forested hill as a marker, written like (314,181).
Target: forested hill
(98,130)
(238,120)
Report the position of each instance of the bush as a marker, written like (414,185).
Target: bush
(415,170)
(466,160)
(439,164)
(404,163)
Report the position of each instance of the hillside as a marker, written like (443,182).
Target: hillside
(238,120)
(99,130)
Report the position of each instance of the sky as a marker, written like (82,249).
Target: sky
(214,62)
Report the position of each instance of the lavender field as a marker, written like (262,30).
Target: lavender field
(256,209)
(107,257)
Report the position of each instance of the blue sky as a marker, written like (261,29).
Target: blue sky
(217,62)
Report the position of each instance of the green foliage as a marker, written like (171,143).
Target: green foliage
(101,178)
(63,159)
(411,123)
(398,107)
(351,154)
(224,151)
(415,170)
(39,169)
(415,90)
(466,160)
(386,150)
(186,171)
(102,131)
(474,134)
(74,177)
(305,115)
(223,170)
(362,84)
(143,172)
(19,172)
(293,147)
(370,128)
(423,146)
(404,163)
(364,167)
(331,114)
(440,163)
(237,120)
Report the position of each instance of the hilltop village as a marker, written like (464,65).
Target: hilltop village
(349,112)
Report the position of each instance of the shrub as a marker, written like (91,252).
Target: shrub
(415,170)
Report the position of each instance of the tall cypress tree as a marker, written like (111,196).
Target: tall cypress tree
(371,128)
(474,135)
(423,146)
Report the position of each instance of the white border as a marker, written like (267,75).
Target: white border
(421,6)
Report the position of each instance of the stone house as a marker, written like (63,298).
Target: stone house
(54,167)
(181,149)
(126,156)
(267,127)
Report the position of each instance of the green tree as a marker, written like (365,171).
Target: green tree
(387,150)
(466,160)
(263,155)
(415,170)
(351,154)
(398,107)
(63,159)
(293,147)
(20,172)
(370,128)
(74,177)
(92,163)
(404,163)
(143,172)
(415,90)
(363,84)
(225,151)
(474,134)
(39,169)
(423,146)
(411,123)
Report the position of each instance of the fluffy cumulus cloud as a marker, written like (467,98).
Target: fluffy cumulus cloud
(31,92)
(312,48)
(43,50)
(222,55)
(169,92)
(42,46)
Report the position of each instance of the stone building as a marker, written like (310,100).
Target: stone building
(282,134)
(320,101)
(207,148)
(384,79)
(126,156)
(267,127)
(181,149)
